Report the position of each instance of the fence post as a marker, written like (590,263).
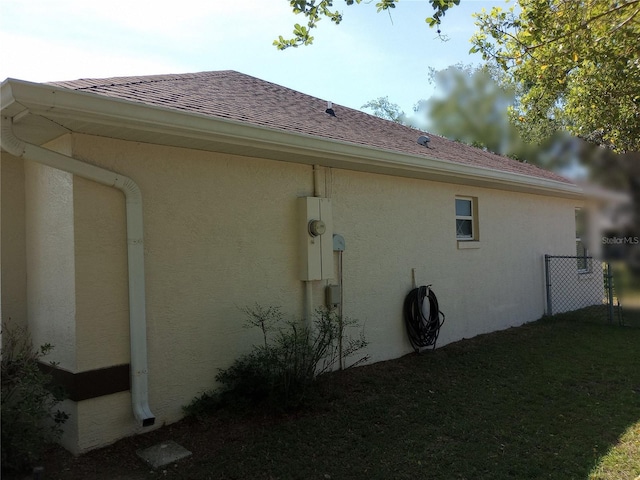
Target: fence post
(547,259)
(610,292)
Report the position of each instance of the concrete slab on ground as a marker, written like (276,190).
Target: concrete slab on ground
(163,454)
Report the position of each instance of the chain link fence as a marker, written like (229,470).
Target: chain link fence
(581,283)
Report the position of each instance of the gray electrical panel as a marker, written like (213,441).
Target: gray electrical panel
(333,295)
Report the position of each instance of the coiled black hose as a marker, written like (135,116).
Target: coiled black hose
(423,332)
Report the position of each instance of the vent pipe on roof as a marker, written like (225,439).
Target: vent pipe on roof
(424,140)
(330,110)
(135,253)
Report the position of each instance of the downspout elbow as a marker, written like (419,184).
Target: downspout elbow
(131,190)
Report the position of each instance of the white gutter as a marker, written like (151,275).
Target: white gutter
(135,253)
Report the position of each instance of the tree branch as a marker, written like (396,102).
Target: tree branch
(621,25)
(585,23)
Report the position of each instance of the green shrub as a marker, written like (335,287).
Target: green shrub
(202,405)
(28,398)
(280,371)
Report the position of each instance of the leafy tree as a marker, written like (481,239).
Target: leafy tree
(314,11)
(383,108)
(480,106)
(471,107)
(578,62)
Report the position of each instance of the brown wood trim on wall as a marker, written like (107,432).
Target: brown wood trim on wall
(92,383)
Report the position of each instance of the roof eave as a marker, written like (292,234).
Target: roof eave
(68,110)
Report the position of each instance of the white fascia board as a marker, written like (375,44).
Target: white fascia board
(63,104)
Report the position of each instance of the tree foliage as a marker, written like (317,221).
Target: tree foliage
(577,61)
(29,417)
(316,10)
(471,107)
(479,106)
(383,108)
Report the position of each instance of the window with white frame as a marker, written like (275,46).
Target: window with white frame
(466,219)
(582,253)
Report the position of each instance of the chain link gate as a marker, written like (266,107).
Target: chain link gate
(579,283)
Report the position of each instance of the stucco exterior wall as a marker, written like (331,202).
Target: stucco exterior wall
(13,268)
(221,233)
(393,225)
(102,306)
(50,266)
(50,261)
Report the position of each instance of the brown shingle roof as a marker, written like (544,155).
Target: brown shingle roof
(233,95)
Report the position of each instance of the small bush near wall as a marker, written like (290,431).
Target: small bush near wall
(280,371)
(28,399)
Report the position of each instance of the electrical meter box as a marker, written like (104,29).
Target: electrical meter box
(315,228)
(333,295)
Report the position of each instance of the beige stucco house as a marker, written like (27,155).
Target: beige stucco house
(140,214)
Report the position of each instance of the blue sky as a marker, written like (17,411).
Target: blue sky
(368,56)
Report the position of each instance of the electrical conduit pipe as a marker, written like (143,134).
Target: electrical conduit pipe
(308,286)
(135,253)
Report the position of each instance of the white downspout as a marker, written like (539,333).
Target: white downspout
(135,253)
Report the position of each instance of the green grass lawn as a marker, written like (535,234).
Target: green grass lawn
(630,317)
(555,399)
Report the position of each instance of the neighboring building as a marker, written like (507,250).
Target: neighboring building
(212,165)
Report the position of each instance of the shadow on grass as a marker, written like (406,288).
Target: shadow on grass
(546,400)
(601,314)
(631,317)
(542,401)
